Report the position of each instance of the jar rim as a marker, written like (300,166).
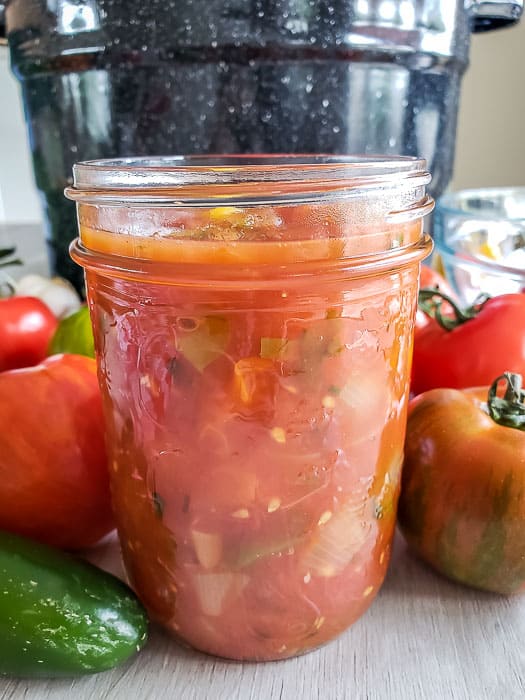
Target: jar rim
(199,180)
(231,276)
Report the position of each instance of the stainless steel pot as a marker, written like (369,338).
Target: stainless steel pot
(104,78)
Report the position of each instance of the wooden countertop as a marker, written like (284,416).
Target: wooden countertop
(423,639)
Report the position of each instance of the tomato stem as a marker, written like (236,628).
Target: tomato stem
(431,299)
(508,410)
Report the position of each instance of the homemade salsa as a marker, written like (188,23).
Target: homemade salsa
(255,424)
(253,321)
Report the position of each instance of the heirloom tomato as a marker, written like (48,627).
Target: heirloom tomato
(462,503)
(53,469)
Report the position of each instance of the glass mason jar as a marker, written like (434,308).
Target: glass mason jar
(253,321)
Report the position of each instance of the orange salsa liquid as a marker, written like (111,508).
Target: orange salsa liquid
(255,434)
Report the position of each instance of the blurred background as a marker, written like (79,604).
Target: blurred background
(490,147)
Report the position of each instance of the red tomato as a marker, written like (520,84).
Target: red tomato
(472,353)
(26,328)
(53,467)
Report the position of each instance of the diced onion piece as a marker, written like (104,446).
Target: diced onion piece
(273,505)
(216,440)
(358,393)
(336,542)
(369,400)
(208,548)
(328,401)
(278,434)
(213,589)
(258,549)
(241,513)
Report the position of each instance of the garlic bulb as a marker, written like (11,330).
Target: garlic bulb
(56,292)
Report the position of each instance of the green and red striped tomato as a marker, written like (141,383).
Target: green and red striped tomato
(462,503)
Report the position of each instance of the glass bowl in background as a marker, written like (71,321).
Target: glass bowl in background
(480,237)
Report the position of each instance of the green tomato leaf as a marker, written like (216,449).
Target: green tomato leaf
(74,335)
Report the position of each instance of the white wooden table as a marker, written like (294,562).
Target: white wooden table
(423,639)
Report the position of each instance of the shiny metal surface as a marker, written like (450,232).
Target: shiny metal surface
(434,26)
(107,78)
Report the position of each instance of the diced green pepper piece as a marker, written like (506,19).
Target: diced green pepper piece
(206,342)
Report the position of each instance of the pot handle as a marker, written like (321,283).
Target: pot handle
(2,23)
(493,14)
